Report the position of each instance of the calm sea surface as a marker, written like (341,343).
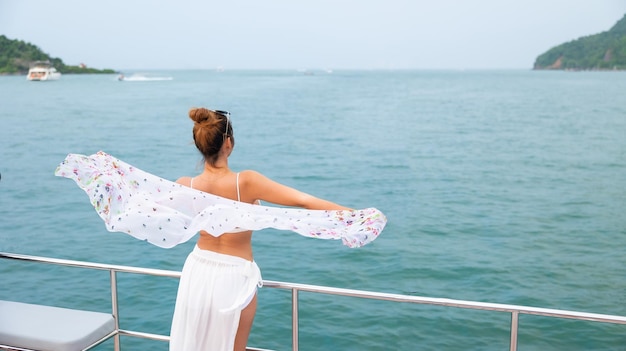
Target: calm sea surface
(499,186)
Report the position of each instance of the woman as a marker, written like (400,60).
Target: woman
(217,292)
(216,300)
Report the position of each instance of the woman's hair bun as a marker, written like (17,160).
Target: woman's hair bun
(200,114)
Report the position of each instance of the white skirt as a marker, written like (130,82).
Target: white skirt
(213,290)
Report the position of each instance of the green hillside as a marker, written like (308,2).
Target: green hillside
(17,55)
(603,51)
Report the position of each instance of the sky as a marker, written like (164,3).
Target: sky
(304,34)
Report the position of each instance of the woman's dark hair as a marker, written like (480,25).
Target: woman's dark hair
(210,130)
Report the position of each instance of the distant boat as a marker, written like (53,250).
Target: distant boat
(138,77)
(42,70)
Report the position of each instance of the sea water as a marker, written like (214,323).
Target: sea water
(499,186)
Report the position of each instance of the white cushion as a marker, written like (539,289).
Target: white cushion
(39,327)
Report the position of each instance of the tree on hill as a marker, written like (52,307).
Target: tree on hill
(603,51)
(16,56)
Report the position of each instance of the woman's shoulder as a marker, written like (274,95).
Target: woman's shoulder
(255,179)
(249,173)
(248,176)
(184,181)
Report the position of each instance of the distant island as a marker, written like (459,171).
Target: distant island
(603,51)
(16,56)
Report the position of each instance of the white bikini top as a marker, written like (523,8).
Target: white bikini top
(238,194)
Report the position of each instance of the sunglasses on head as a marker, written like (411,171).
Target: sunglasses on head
(221,112)
(227,115)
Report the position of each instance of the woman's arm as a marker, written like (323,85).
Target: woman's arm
(259,187)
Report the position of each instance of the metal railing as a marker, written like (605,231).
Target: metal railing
(514,310)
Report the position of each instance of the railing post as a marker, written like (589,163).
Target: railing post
(294,318)
(514,327)
(115,309)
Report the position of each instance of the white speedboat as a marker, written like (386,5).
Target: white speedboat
(42,70)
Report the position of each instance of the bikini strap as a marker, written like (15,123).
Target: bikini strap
(191,183)
(238,196)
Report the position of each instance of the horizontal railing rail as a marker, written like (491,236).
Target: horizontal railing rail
(514,310)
